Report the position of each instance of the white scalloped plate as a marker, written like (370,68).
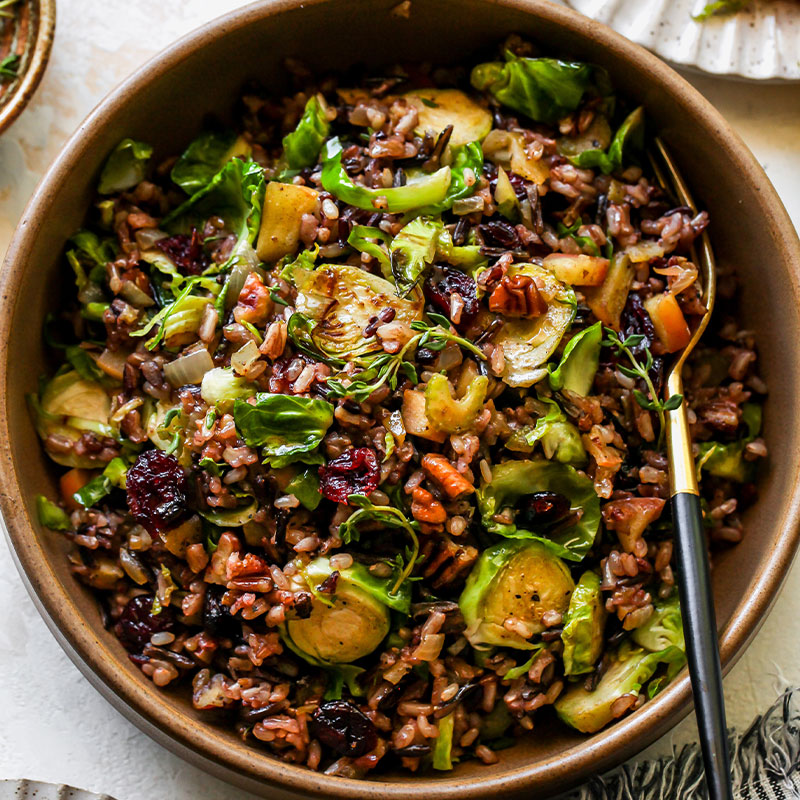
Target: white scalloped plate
(761,42)
(36,790)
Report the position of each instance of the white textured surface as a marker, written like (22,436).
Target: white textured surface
(55,727)
(760,42)
(36,790)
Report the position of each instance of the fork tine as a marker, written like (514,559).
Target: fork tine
(676,184)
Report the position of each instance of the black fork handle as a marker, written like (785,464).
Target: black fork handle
(702,647)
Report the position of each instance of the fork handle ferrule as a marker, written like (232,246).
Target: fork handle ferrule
(682,476)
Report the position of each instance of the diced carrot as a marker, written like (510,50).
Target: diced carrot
(668,320)
(70,483)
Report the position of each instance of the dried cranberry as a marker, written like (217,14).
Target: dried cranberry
(328,586)
(636,321)
(542,508)
(426,356)
(157,490)
(497,232)
(186,250)
(217,618)
(438,294)
(137,623)
(344,728)
(353,472)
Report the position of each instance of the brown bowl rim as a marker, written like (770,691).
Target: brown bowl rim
(242,764)
(43,44)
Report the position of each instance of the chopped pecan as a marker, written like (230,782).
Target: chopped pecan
(720,415)
(447,562)
(517,296)
(630,516)
(254,303)
(426,508)
(453,483)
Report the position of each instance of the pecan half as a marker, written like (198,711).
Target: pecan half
(517,296)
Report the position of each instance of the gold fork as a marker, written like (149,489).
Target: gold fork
(694,584)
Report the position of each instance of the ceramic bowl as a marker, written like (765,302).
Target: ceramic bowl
(164,104)
(28,34)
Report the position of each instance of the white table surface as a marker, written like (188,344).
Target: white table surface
(54,726)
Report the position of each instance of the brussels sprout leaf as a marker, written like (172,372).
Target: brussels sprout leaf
(576,370)
(125,167)
(50,515)
(287,428)
(203,159)
(513,480)
(544,89)
(301,147)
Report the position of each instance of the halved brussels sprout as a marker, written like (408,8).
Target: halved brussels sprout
(220,386)
(513,582)
(232,517)
(343,300)
(68,407)
(512,481)
(588,712)
(69,395)
(561,440)
(663,629)
(596,137)
(528,343)
(412,251)
(350,628)
(583,626)
(659,641)
(352,621)
(438,108)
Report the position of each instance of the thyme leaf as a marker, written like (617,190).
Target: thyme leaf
(650,401)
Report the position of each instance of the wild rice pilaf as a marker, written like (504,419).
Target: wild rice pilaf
(363,411)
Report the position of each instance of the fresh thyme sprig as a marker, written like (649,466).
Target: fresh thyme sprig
(624,347)
(390,517)
(383,369)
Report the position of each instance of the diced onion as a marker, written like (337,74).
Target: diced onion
(112,362)
(126,408)
(682,276)
(644,251)
(246,262)
(397,672)
(429,647)
(245,357)
(147,237)
(468,204)
(188,369)
(133,567)
(135,296)
(498,145)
